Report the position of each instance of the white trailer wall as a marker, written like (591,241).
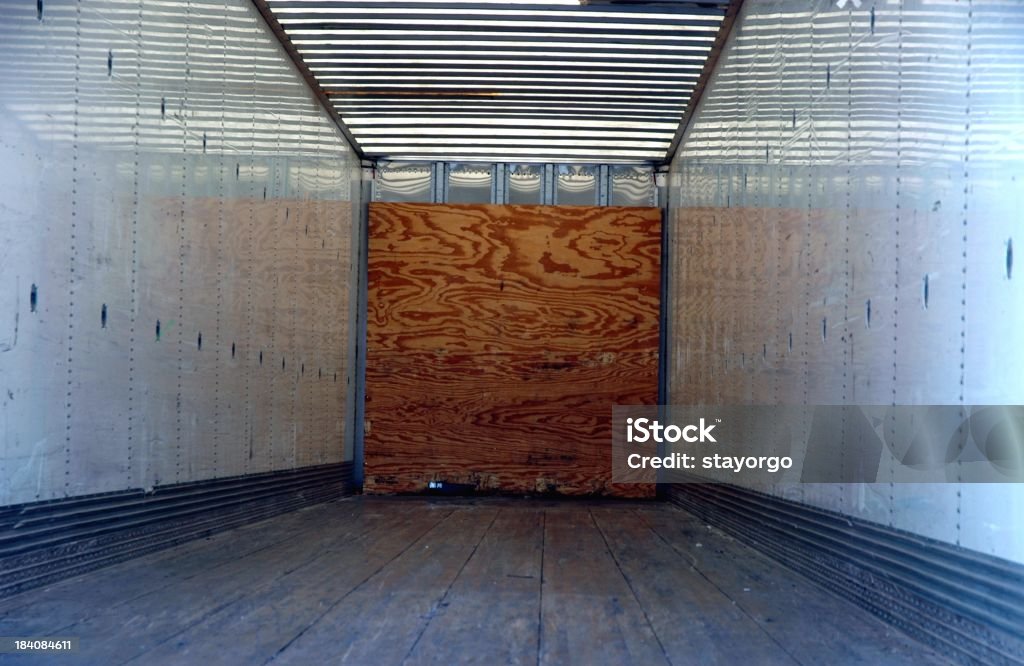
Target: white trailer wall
(176,237)
(843,210)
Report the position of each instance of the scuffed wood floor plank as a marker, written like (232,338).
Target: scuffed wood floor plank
(382,619)
(491,614)
(815,626)
(689,613)
(589,615)
(459,581)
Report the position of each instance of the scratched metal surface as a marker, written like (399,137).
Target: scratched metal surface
(844,210)
(164,162)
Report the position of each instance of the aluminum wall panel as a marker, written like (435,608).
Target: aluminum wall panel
(843,208)
(177,233)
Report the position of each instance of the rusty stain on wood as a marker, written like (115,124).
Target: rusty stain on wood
(498,339)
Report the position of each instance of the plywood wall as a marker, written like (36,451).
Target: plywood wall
(498,339)
(168,177)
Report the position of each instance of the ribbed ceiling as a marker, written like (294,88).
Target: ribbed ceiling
(505,81)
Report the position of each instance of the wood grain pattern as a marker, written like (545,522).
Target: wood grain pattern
(498,339)
(482,581)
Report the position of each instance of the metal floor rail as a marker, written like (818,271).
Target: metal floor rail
(43,542)
(967,605)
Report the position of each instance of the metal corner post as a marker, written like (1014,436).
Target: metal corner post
(358,407)
(665,313)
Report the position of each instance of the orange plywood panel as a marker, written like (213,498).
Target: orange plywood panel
(500,337)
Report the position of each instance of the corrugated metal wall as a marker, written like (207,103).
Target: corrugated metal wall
(843,213)
(176,239)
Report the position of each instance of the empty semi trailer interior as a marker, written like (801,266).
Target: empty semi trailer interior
(534,332)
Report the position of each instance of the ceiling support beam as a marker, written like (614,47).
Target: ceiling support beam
(275,27)
(731,14)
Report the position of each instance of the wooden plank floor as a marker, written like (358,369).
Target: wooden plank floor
(451,581)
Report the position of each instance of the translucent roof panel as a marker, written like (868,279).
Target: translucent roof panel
(569,80)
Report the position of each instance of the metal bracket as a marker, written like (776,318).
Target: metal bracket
(604,185)
(499,184)
(439,182)
(548,186)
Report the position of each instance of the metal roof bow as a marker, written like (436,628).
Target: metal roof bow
(505,81)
